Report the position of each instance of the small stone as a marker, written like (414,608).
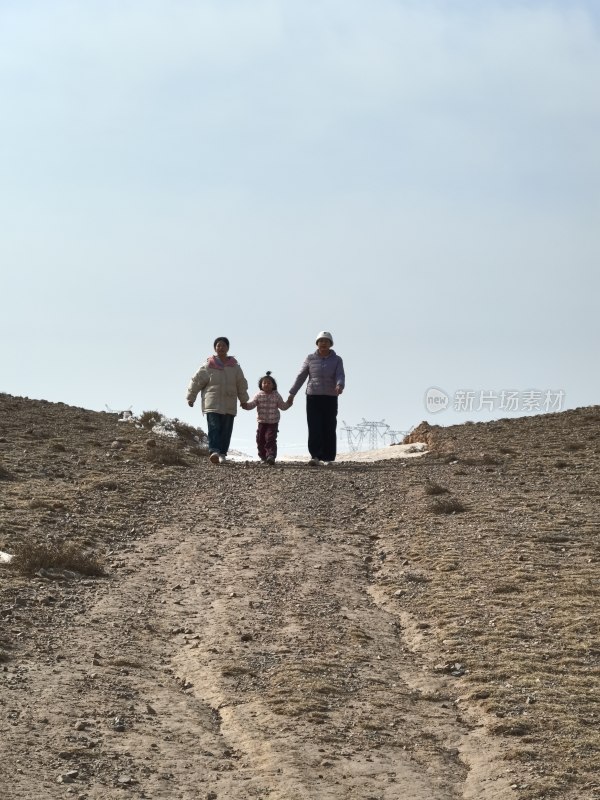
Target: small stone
(68,777)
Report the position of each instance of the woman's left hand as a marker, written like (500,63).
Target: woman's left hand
(339,389)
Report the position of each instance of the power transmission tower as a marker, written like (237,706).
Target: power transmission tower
(372,433)
(354,436)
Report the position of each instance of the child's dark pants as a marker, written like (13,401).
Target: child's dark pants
(266,440)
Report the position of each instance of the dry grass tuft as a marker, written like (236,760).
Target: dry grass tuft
(189,434)
(490,460)
(574,447)
(432,488)
(58,447)
(148,419)
(166,456)
(30,557)
(47,505)
(5,475)
(193,438)
(104,485)
(125,662)
(447,505)
(512,728)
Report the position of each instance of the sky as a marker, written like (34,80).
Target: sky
(422,179)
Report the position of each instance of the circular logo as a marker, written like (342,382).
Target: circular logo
(436,400)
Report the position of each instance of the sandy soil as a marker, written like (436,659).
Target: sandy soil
(299,633)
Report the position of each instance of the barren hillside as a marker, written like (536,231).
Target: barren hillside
(424,629)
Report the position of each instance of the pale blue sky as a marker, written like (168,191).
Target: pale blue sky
(420,178)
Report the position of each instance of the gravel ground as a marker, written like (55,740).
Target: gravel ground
(384,628)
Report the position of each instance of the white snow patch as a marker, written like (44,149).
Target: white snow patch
(391,451)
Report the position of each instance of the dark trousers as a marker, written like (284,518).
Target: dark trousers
(266,440)
(220,428)
(321,415)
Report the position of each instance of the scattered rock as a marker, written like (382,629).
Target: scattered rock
(68,777)
(454,668)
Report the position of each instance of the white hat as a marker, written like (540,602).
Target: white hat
(324,335)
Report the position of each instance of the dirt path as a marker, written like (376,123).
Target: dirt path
(242,649)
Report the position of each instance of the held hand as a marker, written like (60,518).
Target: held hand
(244,406)
(290,399)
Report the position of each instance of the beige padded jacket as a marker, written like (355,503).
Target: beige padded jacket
(221,384)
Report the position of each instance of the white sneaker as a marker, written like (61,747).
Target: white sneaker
(222,459)
(325,463)
(214,458)
(313,462)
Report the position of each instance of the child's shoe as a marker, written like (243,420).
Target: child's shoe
(270,460)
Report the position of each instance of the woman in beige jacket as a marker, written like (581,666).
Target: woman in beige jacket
(222,383)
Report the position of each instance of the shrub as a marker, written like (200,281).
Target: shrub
(435,488)
(193,437)
(447,505)
(5,475)
(166,456)
(574,447)
(148,419)
(30,557)
(189,434)
(488,458)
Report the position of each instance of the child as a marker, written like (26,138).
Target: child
(268,402)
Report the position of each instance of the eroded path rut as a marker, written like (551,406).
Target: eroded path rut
(243,649)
